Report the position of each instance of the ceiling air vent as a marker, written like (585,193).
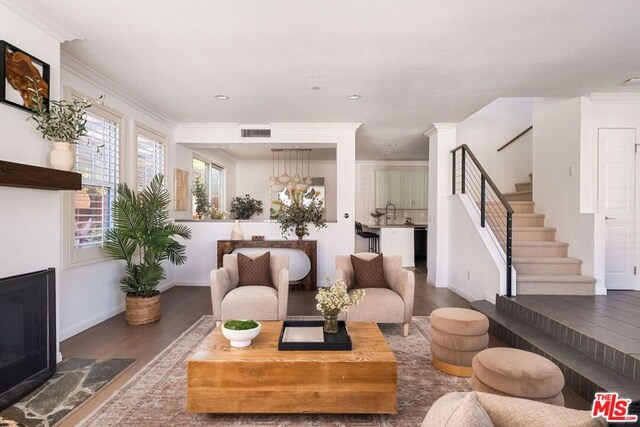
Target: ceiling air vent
(255,133)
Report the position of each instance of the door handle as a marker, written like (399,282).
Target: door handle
(607,218)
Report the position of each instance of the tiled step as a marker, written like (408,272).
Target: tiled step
(583,374)
(524,186)
(547,265)
(615,352)
(539,249)
(518,207)
(555,285)
(519,196)
(519,219)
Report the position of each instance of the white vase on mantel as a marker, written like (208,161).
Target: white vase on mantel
(236,233)
(62,156)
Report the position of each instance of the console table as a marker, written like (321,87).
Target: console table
(309,247)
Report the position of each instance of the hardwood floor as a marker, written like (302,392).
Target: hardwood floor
(181,307)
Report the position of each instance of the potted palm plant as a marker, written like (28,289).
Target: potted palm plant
(143,237)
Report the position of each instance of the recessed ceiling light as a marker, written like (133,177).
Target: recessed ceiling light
(392,145)
(297,147)
(224,146)
(633,81)
(353,97)
(315,88)
(221,97)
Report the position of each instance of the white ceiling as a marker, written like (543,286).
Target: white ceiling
(414,62)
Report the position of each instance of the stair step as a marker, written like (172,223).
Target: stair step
(547,266)
(524,186)
(534,234)
(582,374)
(540,249)
(519,219)
(518,206)
(555,284)
(519,196)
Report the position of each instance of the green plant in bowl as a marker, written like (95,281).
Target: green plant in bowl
(240,325)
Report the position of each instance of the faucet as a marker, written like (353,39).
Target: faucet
(386,213)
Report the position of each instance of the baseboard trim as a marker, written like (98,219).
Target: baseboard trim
(464,294)
(101,317)
(191,283)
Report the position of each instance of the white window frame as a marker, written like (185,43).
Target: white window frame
(223,184)
(73,257)
(142,130)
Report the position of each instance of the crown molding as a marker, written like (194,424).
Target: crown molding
(351,127)
(44,19)
(438,127)
(615,98)
(80,69)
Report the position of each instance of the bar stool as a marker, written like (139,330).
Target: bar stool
(373,238)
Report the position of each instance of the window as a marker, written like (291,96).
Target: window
(213,178)
(150,156)
(90,208)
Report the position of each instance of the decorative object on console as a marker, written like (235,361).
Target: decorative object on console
(142,229)
(333,300)
(18,72)
(257,237)
(62,122)
(302,209)
(240,332)
(201,195)
(236,233)
(181,190)
(245,207)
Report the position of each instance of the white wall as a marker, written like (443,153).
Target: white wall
(30,220)
(493,126)
(91,294)
(476,265)
(250,179)
(557,177)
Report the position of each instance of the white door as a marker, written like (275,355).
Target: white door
(617,201)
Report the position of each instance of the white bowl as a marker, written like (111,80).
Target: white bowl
(241,338)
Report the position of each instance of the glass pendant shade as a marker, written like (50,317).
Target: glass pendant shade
(301,186)
(277,187)
(284,178)
(297,179)
(272,180)
(290,186)
(308,180)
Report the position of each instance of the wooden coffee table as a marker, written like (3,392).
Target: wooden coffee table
(261,379)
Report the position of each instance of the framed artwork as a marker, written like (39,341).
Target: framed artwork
(19,72)
(181,190)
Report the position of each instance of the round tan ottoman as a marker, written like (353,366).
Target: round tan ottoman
(511,372)
(457,335)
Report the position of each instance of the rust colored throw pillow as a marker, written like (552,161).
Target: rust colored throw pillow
(254,272)
(368,274)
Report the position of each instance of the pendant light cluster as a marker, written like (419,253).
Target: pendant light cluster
(278,182)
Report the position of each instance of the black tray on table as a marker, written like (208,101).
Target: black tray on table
(340,341)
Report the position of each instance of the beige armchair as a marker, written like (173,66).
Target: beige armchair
(250,302)
(380,305)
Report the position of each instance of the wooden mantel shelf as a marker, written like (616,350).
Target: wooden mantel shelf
(28,176)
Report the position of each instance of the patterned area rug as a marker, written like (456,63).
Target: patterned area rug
(156,396)
(73,383)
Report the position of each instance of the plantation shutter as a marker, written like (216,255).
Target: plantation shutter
(100,170)
(150,157)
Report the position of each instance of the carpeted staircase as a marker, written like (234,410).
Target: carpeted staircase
(542,264)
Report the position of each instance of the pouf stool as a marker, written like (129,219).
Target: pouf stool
(457,335)
(511,372)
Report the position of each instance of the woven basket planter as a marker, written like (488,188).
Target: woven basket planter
(142,310)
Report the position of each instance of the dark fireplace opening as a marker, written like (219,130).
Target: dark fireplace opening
(27,333)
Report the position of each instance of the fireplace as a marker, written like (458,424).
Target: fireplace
(27,333)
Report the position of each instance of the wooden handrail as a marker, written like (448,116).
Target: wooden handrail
(486,176)
(515,137)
